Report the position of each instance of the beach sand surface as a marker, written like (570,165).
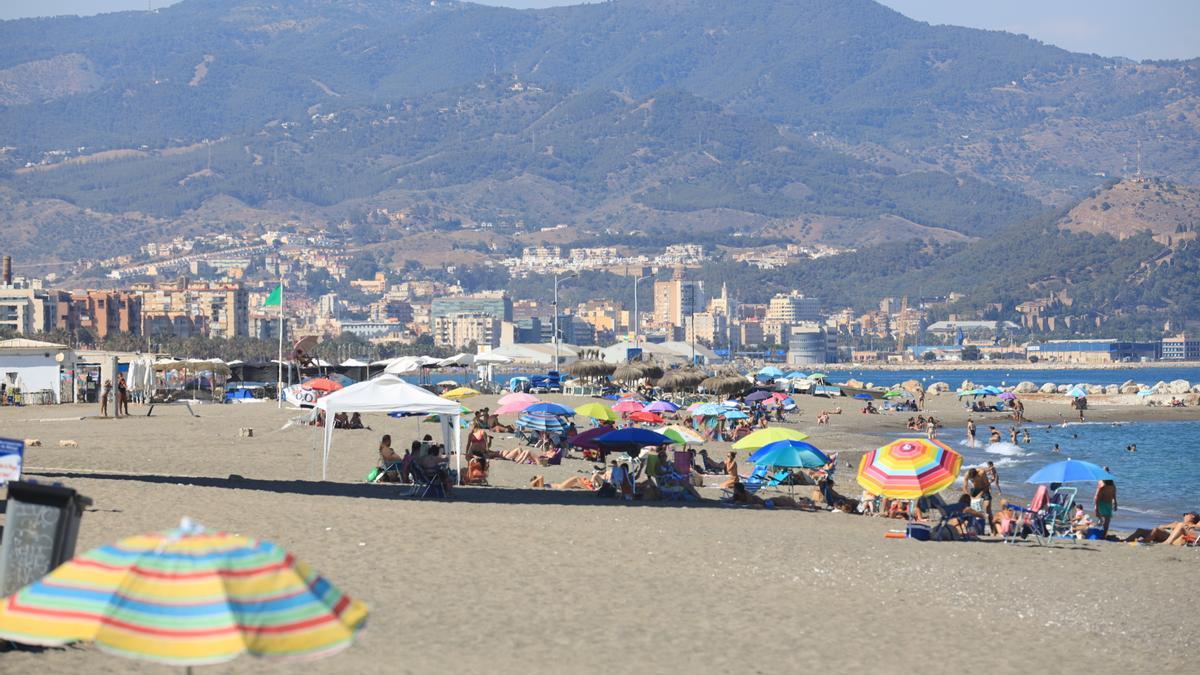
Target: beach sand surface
(509,578)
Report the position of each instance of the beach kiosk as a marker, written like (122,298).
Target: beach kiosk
(387,394)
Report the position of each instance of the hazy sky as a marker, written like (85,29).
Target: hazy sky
(1140,29)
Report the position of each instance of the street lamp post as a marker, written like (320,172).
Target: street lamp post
(637,328)
(556,340)
(692,312)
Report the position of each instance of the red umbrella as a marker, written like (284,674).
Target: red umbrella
(321,384)
(648,417)
(627,405)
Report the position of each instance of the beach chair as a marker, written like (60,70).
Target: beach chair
(622,482)
(1058,513)
(754,482)
(674,481)
(427,483)
(555,459)
(946,513)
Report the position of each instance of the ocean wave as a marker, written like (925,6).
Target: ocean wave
(1007,449)
(999,463)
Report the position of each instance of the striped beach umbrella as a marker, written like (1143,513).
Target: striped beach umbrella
(541,422)
(909,468)
(186,597)
(681,435)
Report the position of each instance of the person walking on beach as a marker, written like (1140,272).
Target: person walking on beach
(104,394)
(970,432)
(1106,504)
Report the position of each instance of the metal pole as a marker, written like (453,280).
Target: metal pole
(279,384)
(637,328)
(692,307)
(555,323)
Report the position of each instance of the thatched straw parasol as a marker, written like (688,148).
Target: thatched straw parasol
(628,373)
(731,385)
(651,369)
(683,379)
(590,368)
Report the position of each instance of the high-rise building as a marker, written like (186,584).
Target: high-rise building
(491,303)
(103,313)
(462,330)
(25,310)
(676,299)
(793,308)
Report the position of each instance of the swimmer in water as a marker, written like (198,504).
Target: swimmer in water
(1025,437)
(1132,447)
(1056,449)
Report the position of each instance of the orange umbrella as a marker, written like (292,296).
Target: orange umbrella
(321,384)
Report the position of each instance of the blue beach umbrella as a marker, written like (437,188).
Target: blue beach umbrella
(709,410)
(541,422)
(632,437)
(735,415)
(770,372)
(550,409)
(759,395)
(1070,471)
(790,454)
(1077,392)
(864,397)
(1145,392)
(796,375)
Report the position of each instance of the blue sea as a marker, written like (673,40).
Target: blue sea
(1154,484)
(1001,377)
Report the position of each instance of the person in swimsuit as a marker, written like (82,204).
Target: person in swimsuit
(1106,504)
(741,496)
(1177,533)
(993,476)
(976,485)
(970,431)
(993,435)
(731,470)
(478,440)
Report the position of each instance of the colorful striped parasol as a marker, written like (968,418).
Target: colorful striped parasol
(909,468)
(186,597)
(541,422)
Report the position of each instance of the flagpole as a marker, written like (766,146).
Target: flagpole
(279,385)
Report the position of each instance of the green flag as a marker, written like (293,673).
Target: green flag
(275,299)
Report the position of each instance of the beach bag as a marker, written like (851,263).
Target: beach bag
(373,474)
(919,531)
(607,491)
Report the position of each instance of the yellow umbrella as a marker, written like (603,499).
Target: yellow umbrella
(597,411)
(460,392)
(764,436)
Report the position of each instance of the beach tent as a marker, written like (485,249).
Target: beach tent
(386,394)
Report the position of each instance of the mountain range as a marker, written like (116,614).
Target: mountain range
(829,121)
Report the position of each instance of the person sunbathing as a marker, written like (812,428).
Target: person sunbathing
(962,523)
(731,470)
(1176,534)
(573,483)
(741,496)
(519,455)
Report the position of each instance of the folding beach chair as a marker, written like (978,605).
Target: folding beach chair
(753,483)
(1058,513)
(427,483)
(946,513)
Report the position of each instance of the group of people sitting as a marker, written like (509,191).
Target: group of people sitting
(423,458)
(922,423)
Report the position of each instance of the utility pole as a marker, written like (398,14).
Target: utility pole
(557,279)
(637,329)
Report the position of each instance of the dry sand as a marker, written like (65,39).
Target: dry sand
(508,579)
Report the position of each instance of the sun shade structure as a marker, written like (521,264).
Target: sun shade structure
(632,437)
(597,411)
(186,597)
(460,393)
(909,468)
(1070,471)
(681,435)
(661,407)
(540,421)
(762,437)
(551,409)
(388,394)
(627,405)
(790,454)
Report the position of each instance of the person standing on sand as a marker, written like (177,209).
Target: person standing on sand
(970,432)
(931,429)
(104,394)
(921,400)
(1106,504)
(122,396)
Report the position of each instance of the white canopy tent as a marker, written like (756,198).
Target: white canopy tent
(456,360)
(388,393)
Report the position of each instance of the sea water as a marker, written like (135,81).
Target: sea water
(1001,377)
(1155,484)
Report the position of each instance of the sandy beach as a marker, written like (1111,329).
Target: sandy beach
(509,578)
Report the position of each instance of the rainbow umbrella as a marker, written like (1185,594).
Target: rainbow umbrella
(186,597)
(680,435)
(909,468)
(762,437)
(597,411)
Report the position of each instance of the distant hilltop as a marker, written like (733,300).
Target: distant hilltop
(1169,211)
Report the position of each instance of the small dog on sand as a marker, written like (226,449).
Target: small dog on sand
(33,443)
(68,444)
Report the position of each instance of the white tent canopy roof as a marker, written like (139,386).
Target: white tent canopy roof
(388,393)
(457,360)
(354,363)
(489,357)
